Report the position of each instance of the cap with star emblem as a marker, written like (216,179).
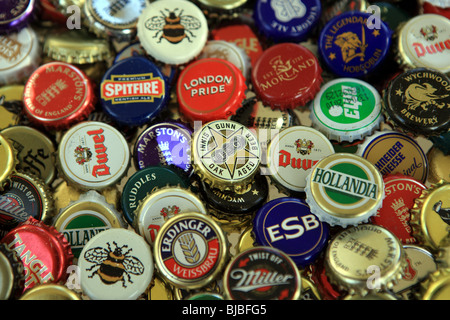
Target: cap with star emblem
(226,155)
(351,46)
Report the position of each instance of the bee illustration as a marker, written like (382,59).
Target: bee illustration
(112,265)
(172,27)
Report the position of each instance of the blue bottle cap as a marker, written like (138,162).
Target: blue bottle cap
(288,224)
(165,143)
(349,48)
(15,14)
(133,91)
(286,20)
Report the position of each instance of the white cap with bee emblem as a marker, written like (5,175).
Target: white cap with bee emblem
(116,264)
(172,31)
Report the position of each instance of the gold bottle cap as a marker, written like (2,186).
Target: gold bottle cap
(26,196)
(439,165)
(437,286)
(11,273)
(77,47)
(84,218)
(246,240)
(344,189)
(160,289)
(191,250)
(226,155)
(160,205)
(35,151)
(364,259)
(8,161)
(10,105)
(50,291)
(309,290)
(430,217)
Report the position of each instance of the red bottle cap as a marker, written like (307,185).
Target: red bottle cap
(286,75)
(44,252)
(394,215)
(58,95)
(437,7)
(210,89)
(243,36)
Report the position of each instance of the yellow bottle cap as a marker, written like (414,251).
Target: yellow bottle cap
(364,259)
(226,155)
(160,289)
(50,291)
(35,151)
(437,286)
(10,105)
(439,166)
(8,161)
(430,217)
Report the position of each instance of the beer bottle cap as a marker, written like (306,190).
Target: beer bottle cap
(8,161)
(246,240)
(11,105)
(11,272)
(346,109)
(288,224)
(26,196)
(20,55)
(58,95)
(161,205)
(351,45)
(16,14)
(229,205)
(195,246)
(421,42)
(165,143)
(172,31)
(420,264)
(206,296)
(85,217)
(437,286)
(393,152)
(344,189)
(47,248)
(50,291)
(145,181)
(226,155)
(439,165)
(116,264)
(286,76)
(373,296)
(354,251)
(394,215)
(221,6)
(430,216)
(160,289)
(93,155)
(416,102)
(243,36)
(77,46)
(275,276)
(138,84)
(291,155)
(229,51)
(437,7)
(113,20)
(286,22)
(210,89)
(35,151)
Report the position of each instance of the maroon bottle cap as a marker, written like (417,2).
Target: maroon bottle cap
(286,76)
(44,252)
